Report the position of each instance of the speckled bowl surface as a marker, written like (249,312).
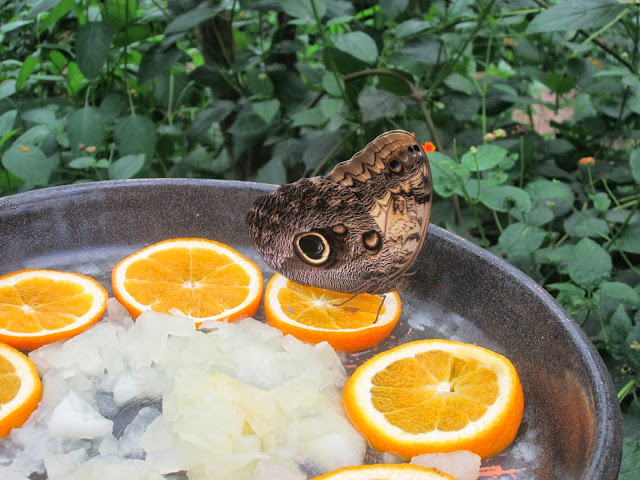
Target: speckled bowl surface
(571,427)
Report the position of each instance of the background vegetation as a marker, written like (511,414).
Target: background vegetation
(534,110)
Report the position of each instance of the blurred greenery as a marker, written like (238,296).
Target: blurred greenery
(533,108)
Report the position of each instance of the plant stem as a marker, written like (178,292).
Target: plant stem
(624,391)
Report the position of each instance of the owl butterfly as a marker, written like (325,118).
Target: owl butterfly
(359,228)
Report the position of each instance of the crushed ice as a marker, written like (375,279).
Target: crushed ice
(155,397)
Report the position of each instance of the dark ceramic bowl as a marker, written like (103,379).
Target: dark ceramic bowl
(571,427)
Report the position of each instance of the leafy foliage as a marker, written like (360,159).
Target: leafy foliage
(533,107)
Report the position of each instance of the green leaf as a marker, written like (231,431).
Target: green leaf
(77,81)
(55,14)
(7,119)
(267,109)
(203,120)
(601,201)
(126,167)
(7,88)
(520,239)
(502,197)
(575,15)
(459,83)
(590,264)
(357,44)
(376,104)
(629,240)
(272,172)
(120,13)
(248,124)
(43,116)
(82,162)
(422,50)
(85,128)
(92,47)
(485,158)
(555,194)
(317,147)
(634,163)
(620,291)
(630,466)
(191,18)
(28,163)
(619,327)
(331,85)
(410,27)
(308,117)
(26,70)
(303,10)
(539,215)
(259,83)
(157,60)
(581,224)
(135,134)
(331,106)
(392,8)
(42,6)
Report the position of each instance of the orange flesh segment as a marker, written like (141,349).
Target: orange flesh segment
(309,306)
(41,312)
(433,390)
(196,281)
(9,381)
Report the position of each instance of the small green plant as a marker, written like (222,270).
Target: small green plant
(533,108)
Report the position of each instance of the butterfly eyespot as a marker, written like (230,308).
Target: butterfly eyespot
(371,240)
(312,248)
(395,166)
(340,229)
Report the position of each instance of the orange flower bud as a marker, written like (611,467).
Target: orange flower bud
(587,161)
(429,147)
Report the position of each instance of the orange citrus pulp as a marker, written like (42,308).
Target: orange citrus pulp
(197,278)
(314,315)
(433,396)
(42,306)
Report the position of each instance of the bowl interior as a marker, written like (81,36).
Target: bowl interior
(571,427)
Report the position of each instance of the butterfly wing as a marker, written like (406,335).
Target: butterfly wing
(311,231)
(392,179)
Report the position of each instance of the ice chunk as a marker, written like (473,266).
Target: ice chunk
(129,444)
(462,465)
(8,473)
(75,418)
(58,465)
(114,468)
(140,383)
(268,470)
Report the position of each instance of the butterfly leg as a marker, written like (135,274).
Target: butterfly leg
(347,300)
(380,308)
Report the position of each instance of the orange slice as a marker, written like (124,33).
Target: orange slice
(201,279)
(435,396)
(42,306)
(385,472)
(20,388)
(314,315)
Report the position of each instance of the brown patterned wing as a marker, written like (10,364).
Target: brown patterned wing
(392,180)
(312,232)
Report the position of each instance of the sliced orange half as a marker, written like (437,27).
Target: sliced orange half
(314,315)
(42,306)
(385,472)
(435,396)
(20,388)
(197,278)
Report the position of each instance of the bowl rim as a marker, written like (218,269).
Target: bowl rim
(605,466)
